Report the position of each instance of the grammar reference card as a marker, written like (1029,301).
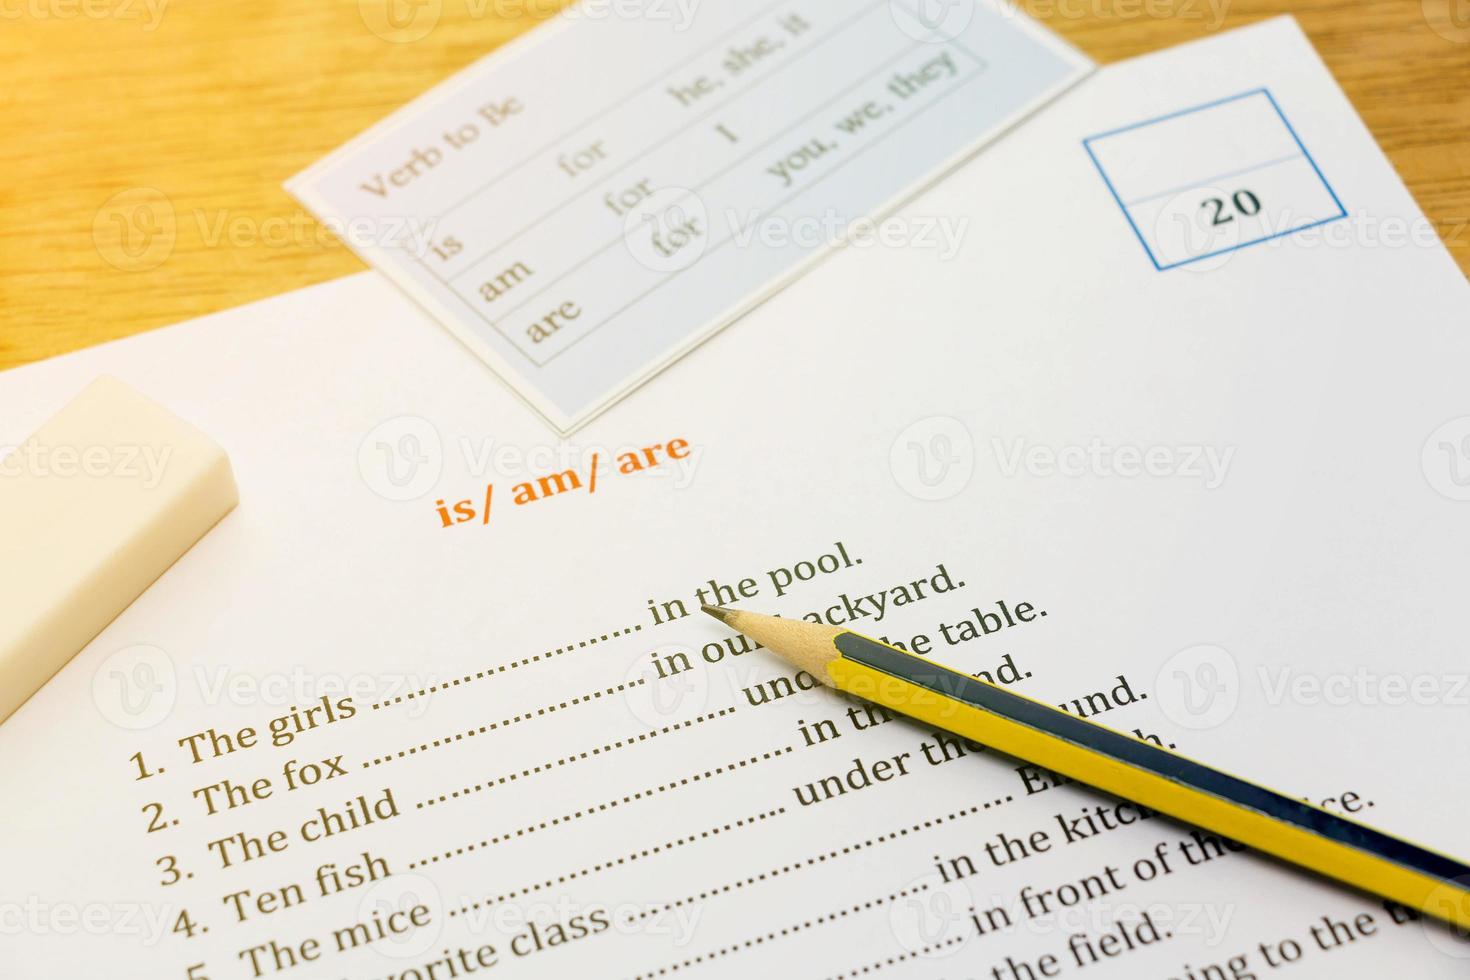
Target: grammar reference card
(591,201)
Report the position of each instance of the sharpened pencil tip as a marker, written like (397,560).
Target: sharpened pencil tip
(719,612)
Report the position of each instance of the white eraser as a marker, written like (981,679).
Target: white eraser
(94,507)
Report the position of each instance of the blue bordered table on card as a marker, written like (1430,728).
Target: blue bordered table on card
(1207,180)
(580,239)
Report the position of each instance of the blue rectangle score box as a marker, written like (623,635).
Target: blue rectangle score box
(1207,180)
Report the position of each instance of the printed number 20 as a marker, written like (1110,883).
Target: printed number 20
(1244,202)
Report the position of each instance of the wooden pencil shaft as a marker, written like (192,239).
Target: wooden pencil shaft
(965,690)
(1128,767)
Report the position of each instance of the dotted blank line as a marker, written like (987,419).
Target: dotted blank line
(742,946)
(787,869)
(480,675)
(901,957)
(504,723)
(625,859)
(602,807)
(572,759)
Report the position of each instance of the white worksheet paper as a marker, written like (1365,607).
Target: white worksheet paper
(1208,486)
(583,206)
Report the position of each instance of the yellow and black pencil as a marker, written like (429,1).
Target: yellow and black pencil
(1126,766)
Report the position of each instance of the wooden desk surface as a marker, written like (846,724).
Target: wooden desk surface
(146,140)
